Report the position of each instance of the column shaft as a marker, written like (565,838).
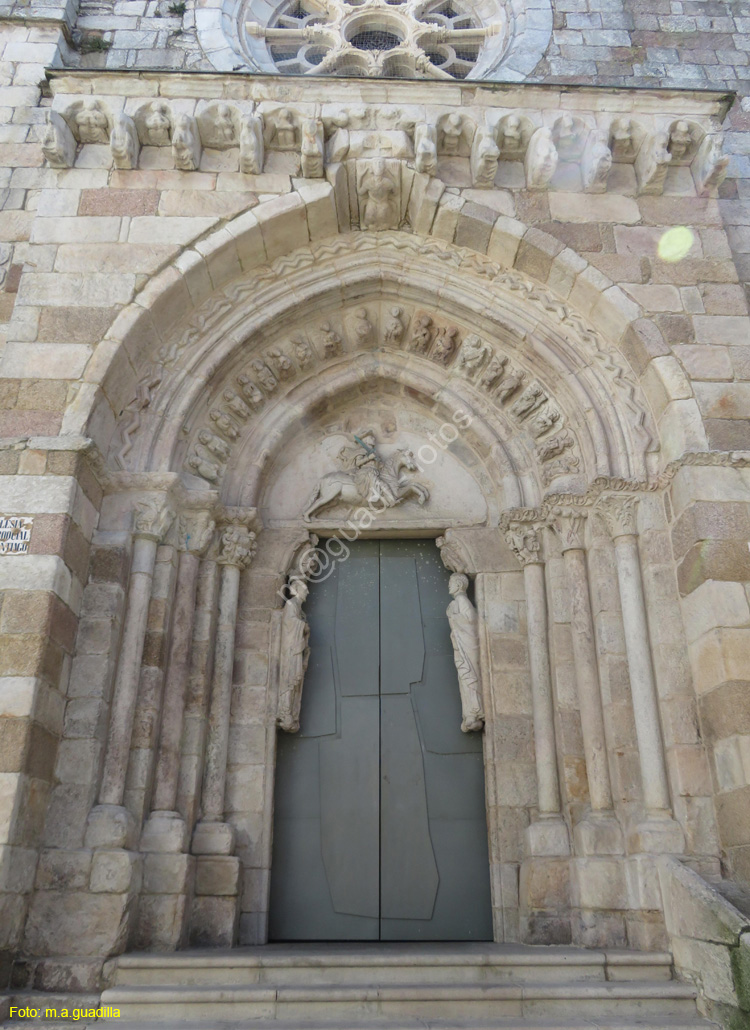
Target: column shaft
(642,683)
(541,690)
(178,667)
(217,745)
(125,694)
(587,677)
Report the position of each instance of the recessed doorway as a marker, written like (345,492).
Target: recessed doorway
(380,830)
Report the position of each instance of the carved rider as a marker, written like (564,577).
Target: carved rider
(366,468)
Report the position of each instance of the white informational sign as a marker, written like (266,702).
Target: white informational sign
(15,534)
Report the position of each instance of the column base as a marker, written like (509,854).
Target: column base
(658,835)
(598,834)
(213,839)
(168,882)
(110,827)
(165,832)
(215,916)
(548,837)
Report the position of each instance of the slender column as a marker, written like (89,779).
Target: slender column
(110,825)
(524,540)
(165,829)
(569,526)
(212,835)
(619,515)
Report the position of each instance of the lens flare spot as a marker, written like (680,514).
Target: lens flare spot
(675,244)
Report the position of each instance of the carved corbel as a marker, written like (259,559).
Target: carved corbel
(58,143)
(452,553)
(596,163)
(124,143)
(425,148)
(541,159)
(186,144)
(313,149)
(709,166)
(652,164)
(251,145)
(484,160)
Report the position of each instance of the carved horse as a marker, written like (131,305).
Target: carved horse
(341,486)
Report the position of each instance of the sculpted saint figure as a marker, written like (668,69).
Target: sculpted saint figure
(378,195)
(421,337)
(264,375)
(394,327)
(295,653)
(464,623)
(250,391)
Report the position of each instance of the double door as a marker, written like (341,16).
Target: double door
(379,822)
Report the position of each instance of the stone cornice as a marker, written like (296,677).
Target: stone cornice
(237,86)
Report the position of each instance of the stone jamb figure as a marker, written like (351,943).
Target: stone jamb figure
(464,623)
(295,654)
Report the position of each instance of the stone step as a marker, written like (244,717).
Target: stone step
(447,1001)
(392,964)
(512,1023)
(606,1023)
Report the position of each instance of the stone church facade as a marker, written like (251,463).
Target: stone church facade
(466,286)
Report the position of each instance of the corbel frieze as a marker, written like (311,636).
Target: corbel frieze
(572,152)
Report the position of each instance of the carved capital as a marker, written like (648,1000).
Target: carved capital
(525,541)
(618,512)
(237,546)
(452,555)
(152,519)
(569,524)
(195,531)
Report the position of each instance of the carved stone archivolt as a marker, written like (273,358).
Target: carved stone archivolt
(526,405)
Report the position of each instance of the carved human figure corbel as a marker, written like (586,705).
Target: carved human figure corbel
(425,148)
(596,163)
(709,166)
(186,144)
(124,143)
(484,160)
(251,145)
(294,656)
(58,142)
(464,625)
(652,164)
(312,151)
(541,160)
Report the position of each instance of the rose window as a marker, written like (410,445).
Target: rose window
(439,39)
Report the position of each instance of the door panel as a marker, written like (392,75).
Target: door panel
(380,827)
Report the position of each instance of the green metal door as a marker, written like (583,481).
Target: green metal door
(379,823)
